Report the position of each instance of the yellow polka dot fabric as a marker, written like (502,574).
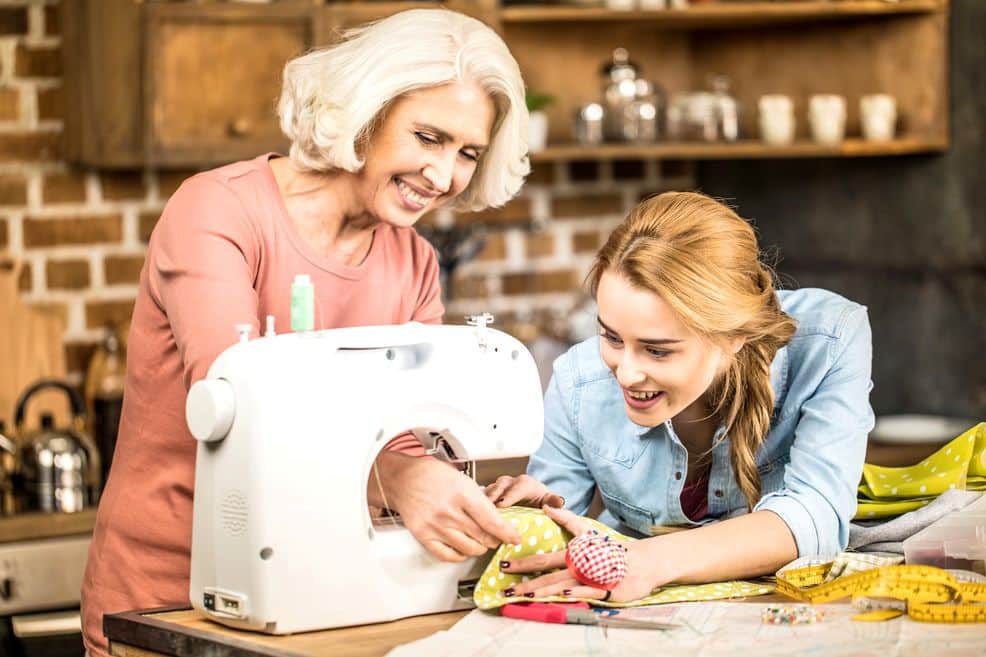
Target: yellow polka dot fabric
(885,492)
(541,535)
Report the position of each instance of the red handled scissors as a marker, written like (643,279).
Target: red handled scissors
(576,613)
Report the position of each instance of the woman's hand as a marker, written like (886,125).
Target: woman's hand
(441,507)
(508,491)
(642,576)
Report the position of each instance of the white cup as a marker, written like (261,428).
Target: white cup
(776,119)
(537,132)
(878,116)
(827,117)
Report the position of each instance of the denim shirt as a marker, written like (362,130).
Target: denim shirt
(809,463)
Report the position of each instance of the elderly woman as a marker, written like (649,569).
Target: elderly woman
(421,110)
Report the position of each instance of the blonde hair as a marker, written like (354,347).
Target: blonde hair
(703,260)
(333,98)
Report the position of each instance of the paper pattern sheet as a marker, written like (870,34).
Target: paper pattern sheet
(709,629)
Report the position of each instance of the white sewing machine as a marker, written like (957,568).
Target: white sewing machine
(289,428)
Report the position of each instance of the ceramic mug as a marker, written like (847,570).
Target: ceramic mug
(878,116)
(776,119)
(537,132)
(827,117)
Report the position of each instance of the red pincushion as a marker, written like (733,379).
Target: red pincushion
(595,560)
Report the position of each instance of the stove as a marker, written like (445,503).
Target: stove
(42,561)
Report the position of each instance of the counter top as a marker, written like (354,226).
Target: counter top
(35,526)
(187,633)
(896,455)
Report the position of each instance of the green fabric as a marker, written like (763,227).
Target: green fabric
(541,535)
(885,492)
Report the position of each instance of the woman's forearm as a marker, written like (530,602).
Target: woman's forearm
(747,546)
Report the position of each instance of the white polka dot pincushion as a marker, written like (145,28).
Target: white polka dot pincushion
(594,560)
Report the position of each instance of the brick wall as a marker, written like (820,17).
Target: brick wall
(82,233)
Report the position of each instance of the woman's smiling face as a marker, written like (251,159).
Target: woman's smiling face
(425,151)
(662,365)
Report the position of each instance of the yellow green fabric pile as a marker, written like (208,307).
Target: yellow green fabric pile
(541,535)
(961,463)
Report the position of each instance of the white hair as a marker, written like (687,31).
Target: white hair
(332,98)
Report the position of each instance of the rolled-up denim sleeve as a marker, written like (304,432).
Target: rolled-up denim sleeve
(818,499)
(559,463)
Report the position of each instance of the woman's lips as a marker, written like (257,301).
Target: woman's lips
(641,404)
(411,198)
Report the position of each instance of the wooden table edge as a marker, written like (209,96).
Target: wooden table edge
(139,633)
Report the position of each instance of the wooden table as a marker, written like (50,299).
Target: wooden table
(187,633)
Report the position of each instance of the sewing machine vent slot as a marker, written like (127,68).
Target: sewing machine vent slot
(234,512)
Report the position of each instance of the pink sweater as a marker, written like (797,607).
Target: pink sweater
(225,252)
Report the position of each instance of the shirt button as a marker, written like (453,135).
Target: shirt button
(718,493)
(677,475)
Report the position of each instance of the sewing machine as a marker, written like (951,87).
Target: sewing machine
(289,427)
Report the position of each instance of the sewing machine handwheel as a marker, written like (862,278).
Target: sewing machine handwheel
(209,409)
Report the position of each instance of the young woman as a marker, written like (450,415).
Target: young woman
(710,402)
(418,111)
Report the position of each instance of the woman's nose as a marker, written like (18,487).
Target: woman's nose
(628,373)
(438,173)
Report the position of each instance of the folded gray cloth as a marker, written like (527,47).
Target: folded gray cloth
(888,547)
(888,536)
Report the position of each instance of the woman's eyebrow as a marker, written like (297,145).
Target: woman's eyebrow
(659,341)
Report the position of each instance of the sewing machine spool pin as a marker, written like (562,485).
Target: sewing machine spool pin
(244,331)
(480,322)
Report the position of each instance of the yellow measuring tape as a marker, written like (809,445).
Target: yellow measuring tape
(931,594)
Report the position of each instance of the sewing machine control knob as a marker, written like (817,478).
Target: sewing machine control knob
(209,409)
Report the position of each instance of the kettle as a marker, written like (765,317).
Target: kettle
(59,467)
(8,470)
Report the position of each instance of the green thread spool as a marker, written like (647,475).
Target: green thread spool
(302,303)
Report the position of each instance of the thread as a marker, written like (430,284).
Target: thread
(302,303)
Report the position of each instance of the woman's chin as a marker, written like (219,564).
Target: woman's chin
(401,217)
(645,418)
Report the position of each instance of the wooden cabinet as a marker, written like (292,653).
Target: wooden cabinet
(195,84)
(212,78)
(178,84)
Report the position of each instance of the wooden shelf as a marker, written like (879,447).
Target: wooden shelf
(723,14)
(745,149)
(849,47)
(36,526)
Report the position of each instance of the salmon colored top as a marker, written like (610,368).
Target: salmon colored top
(224,252)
